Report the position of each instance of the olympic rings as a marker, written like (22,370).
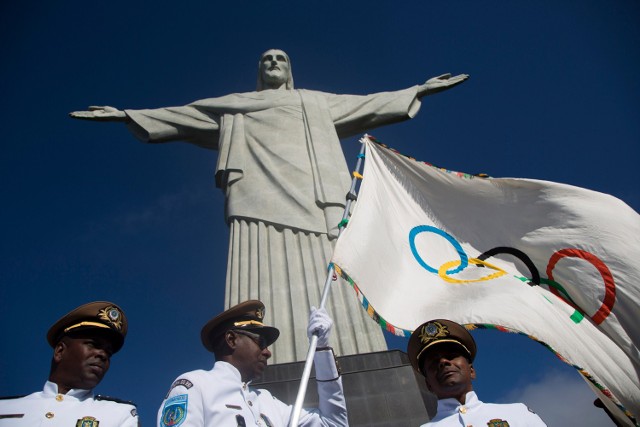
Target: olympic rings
(456,266)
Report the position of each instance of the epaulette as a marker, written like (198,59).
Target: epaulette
(12,397)
(115,399)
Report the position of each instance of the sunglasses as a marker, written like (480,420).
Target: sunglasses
(256,338)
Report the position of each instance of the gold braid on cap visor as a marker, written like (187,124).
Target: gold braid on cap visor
(438,342)
(96,324)
(248,322)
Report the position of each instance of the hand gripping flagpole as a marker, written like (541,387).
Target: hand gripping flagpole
(306,373)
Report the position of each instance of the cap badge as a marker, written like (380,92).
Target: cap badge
(112,315)
(260,313)
(432,331)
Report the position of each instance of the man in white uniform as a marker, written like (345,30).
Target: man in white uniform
(83,342)
(223,395)
(285,178)
(443,351)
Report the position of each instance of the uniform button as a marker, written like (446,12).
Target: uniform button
(463,410)
(59,397)
(250,403)
(49,415)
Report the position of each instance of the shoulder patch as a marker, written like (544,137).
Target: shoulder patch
(180,382)
(115,399)
(174,411)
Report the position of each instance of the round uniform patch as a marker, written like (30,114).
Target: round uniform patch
(175,411)
(87,422)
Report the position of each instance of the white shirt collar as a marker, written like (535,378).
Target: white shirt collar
(228,369)
(51,389)
(451,405)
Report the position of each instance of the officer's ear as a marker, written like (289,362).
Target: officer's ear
(231,339)
(472,372)
(59,349)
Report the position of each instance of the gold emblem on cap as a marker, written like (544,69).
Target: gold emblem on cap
(433,331)
(112,315)
(260,313)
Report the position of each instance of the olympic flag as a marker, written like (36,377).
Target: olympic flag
(552,261)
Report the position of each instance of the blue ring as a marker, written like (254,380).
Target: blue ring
(464,259)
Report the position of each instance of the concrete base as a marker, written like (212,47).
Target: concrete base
(381,389)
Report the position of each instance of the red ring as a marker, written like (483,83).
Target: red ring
(609,285)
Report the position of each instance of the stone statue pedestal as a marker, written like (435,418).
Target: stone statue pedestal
(381,389)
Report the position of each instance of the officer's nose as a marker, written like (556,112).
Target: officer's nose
(266,352)
(102,354)
(444,362)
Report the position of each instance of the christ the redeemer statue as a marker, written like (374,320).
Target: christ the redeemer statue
(284,176)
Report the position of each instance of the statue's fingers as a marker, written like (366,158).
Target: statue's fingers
(444,76)
(81,114)
(458,79)
(98,107)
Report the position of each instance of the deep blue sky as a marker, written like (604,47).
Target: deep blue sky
(89,213)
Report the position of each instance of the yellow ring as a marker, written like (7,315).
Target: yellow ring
(442,272)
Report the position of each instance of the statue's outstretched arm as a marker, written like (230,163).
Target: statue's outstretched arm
(103,114)
(440,83)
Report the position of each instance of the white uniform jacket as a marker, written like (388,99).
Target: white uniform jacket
(219,398)
(76,408)
(476,413)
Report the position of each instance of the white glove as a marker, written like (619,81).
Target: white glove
(320,323)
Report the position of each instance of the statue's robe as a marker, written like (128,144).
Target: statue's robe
(285,179)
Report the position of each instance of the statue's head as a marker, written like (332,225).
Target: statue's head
(274,71)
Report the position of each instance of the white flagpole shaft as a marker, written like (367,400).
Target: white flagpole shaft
(306,373)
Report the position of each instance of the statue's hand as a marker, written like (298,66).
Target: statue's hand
(440,83)
(104,114)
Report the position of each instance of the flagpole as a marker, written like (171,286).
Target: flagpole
(306,373)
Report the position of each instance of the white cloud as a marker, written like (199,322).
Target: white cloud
(561,399)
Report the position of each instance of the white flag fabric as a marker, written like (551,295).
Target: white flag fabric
(552,261)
